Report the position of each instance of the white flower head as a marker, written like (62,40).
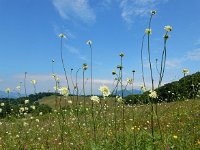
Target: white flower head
(119,99)
(143,88)
(62,35)
(89,42)
(33,82)
(2,104)
(148,31)
(168,28)
(7,90)
(121,54)
(33,107)
(26,101)
(95,99)
(129,81)
(153,94)
(64,91)
(185,71)
(104,90)
(18,88)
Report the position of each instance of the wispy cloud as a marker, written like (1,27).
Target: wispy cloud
(76,52)
(75,9)
(193,55)
(137,8)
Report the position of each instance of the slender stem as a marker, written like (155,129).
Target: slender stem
(25,83)
(142,61)
(61,54)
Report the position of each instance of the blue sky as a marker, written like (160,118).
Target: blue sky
(29,38)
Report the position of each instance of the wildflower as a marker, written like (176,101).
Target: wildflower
(21,109)
(37,120)
(85,66)
(33,107)
(2,104)
(54,76)
(185,71)
(153,12)
(105,90)
(25,124)
(25,108)
(55,88)
(40,113)
(198,142)
(119,99)
(119,67)
(26,101)
(70,102)
(62,35)
(95,99)
(143,88)
(53,61)
(133,70)
(175,137)
(18,88)
(148,31)
(153,94)
(33,82)
(64,91)
(113,72)
(121,54)
(129,81)
(7,90)
(89,42)
(168,28)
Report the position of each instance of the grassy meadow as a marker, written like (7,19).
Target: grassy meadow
(72,127)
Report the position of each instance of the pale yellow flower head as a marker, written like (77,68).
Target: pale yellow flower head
(121,54)
(89,42)
(129,81)
(148,31)
(7,90)
(168,28)
(104,90)
(33,107)
(64,91)
(62,35)
(153,94)
(26,101)
(33,82)
(85,66)
(175,136)
(95,99)
(185,71)
(119,99)
(2,104)
(113,72)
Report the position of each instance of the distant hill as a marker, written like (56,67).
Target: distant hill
(11,95)
(129,92)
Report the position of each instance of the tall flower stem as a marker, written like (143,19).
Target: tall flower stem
(25,83)
(133,79)
(142,61)
(77,90)
(61,55)
(84,99)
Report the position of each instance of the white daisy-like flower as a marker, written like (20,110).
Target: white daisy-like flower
(104,90)
(119,99)
(21,109)
(95,99)
(2,104)
(33,107)
(153,94)
(168,28)
(89,42)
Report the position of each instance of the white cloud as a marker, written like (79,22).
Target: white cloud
(193,55)
(75,9)
(134,8)
(76,51)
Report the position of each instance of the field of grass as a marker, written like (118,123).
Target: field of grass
(73,127)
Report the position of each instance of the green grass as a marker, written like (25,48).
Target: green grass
(72,129)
